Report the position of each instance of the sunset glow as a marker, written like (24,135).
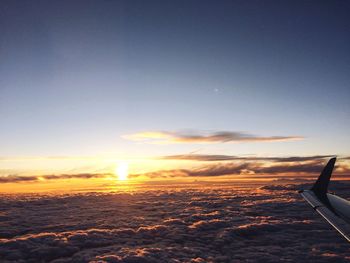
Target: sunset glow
(171,131)
(122,171)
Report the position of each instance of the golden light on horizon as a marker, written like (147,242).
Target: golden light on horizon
(122,171)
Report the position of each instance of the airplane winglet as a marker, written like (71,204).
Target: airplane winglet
(321,186)
(334,209)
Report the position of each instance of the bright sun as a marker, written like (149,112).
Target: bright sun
(122,171)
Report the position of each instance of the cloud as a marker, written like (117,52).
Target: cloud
(40,158)
(209,224)
(219,165)
(204,224)
(17,179)
(73,176)
(217,158)
(168,137)
(23,178)
(248,168)
(213,170)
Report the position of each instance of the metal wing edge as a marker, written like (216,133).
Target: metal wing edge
(335,221)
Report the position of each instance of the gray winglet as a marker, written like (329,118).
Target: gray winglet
(321,185)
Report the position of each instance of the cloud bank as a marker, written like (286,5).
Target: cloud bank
(218,165)
(312,167)
(168,137)
(37,178)
(217,158)
(217,224)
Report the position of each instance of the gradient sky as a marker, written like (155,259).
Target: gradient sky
(78,75)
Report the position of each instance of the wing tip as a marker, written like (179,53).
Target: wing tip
(321,185)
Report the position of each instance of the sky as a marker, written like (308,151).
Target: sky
(171,131)
(85,84)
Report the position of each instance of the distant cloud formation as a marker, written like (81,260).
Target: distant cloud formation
(17,178)
(195,137)
(217,165)
(218,224)
(23,178)
(217,158)
(248,168)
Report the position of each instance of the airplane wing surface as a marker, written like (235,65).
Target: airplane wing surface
(334,209)
(337,222)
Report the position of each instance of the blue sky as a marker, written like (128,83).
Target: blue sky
(78,75)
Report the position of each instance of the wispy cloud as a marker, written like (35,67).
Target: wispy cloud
(17,179)
(217,158)
(41,158)
(169,137)
(36,178)
(247,168)
(256,167)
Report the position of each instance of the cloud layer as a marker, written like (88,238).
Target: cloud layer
(253,167)
(217,165)
(217,158)
(36,178)
(225,223)
(168,137)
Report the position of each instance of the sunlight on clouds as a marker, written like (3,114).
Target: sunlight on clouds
(122,171)
(203,137)
(150,136)
(139,226)
(113,173)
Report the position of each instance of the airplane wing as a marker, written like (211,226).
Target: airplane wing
(334,209)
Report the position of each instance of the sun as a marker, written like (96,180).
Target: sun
(122,171)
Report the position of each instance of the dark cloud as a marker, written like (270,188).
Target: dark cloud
(188,224)
(166,137)
(23,178)
(74,176)
(309,168)
(213,170)
(216,158)
(269,167)
(17,179)
(248,168)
